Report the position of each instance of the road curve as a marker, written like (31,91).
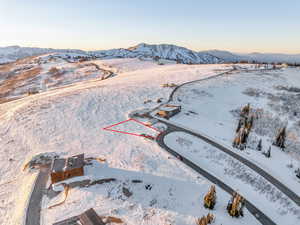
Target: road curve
(33,212)
(260,216)
(171,128)
(283,188)
(171,96)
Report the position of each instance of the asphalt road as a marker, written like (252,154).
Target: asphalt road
(172,127)
(33,212)
(260,216)
(280,186)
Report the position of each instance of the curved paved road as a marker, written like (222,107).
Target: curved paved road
(171,97)
(172,127)
(33,212)
(283,188)
(260,216)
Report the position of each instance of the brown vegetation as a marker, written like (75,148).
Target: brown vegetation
(4,100)
(26,60)
(17,80)
(7,67)
(204,220)
(111,219)
(53,70)
(235,205)
(66,192)
(244,127)
(210,198)
(56,73)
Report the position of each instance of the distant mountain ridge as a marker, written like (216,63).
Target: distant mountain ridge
(275,57)
(227,56)
(256,57)
(13,53)
(163,51)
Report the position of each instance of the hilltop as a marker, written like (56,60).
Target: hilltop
(155,51)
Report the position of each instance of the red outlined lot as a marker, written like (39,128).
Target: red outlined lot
(111,128)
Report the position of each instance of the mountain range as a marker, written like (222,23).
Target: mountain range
(162,51)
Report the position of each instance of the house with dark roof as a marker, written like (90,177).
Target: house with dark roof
(62,169)
(167,111)
(89,217)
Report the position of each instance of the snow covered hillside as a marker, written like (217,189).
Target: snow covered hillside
(211,107)
(12,53)
(271,58)
(38,74)
(162,51)
(146,185)
(227,56)
(69,121)
(256,57)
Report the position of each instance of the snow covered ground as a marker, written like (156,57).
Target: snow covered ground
(249,184)
(166,200)
(38,74)
(163,51)
(210,107)
(13,53)
(69,121)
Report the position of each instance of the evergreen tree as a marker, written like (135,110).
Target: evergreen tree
(298,173)
(239,125)
(280,139)
(259,146)
(268,154)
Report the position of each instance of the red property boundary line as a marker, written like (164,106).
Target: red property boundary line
(134,134)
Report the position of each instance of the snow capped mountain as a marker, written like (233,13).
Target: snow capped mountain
(226,55)
(273,57)
(257,57)
(163,51)
(13,53)
(113,53)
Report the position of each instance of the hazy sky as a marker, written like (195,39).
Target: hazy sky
(240,26)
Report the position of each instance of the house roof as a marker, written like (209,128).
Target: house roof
(70,221)
(60,165)
(89,217)
(169,107)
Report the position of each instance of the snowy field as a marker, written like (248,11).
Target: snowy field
(248,183)
(210,107)
(166,200)
(69,121)
(38,74)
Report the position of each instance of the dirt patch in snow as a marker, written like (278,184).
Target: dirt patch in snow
(17,80)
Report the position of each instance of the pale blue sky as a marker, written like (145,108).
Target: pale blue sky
(235,25)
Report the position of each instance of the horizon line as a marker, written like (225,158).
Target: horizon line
(90,50)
